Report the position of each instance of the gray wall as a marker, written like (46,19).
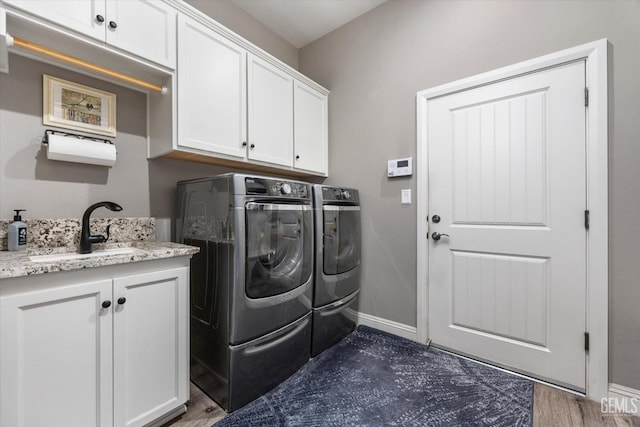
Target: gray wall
(54,189)
(240,22)
(374,66)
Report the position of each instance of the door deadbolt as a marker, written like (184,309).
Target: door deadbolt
(435,219)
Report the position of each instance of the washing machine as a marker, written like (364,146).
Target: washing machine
(251,283)
(337,264)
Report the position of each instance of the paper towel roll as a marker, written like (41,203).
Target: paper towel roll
(72,149)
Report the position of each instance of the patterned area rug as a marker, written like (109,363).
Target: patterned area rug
(372,378)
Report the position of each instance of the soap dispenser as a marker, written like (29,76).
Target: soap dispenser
(17,233)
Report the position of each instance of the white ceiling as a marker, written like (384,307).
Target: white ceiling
(302,21)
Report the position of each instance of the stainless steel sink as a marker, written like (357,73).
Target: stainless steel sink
(73,256)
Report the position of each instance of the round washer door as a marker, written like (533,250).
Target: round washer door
(341,250)
(279,248)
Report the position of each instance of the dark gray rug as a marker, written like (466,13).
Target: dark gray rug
(372,378)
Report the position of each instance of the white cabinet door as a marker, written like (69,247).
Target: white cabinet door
(143,27)
(270,115)
(81,16)
(151,339)
(310,129)
(211,91)
(56,358)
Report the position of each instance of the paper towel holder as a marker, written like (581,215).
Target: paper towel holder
(47,132)
(92,154)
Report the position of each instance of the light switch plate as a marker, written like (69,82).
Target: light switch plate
(405,197)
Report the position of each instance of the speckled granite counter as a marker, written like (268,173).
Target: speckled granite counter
(61,236)
(17,264)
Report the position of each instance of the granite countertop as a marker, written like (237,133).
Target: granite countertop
(17,264)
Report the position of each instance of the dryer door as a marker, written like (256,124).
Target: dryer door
(341,238)
(279,245)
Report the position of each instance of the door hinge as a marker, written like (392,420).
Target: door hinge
(586,96)
(586,219)
(586,342)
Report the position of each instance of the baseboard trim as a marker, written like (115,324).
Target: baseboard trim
(628,399)
(396,328)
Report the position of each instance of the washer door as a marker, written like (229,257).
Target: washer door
(341,238)
(279,245)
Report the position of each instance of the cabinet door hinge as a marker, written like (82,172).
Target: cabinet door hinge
(586,342)
(586,219)
(586,96)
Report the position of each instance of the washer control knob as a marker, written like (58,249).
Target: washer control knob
(346,195)
(285,189)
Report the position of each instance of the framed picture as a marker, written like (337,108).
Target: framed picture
(73,106)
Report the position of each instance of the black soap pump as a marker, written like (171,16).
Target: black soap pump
(17,233)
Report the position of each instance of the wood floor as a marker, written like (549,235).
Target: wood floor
(551,408)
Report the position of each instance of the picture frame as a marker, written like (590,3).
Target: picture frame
(74,106)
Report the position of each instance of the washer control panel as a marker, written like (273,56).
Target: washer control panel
(277,188)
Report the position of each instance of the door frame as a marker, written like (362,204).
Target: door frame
(595,55)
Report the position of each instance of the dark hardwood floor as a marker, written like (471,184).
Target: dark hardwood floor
(551,408)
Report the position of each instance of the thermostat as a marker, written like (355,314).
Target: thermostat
(399,167)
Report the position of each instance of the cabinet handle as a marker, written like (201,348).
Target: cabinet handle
(244,143)
(122,300)
(252,146)
(113,25)
(99,18)
(106,304)
(298,157)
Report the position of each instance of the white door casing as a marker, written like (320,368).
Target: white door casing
(465,233)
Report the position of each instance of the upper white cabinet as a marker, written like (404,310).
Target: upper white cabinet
(80,16)
(238,106)
(145,28)
(310,129)
(270,104)
(211,92)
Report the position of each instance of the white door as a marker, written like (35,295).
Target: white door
(507,177)
(86,17)
(150,346)
(211,91)
(56,358)
(143,27)
(310,129)
(270,115)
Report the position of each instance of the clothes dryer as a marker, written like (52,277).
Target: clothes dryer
(337,264)
(251,283)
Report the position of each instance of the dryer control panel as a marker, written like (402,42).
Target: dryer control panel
(340,194)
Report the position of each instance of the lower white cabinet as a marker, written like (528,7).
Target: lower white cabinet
(109,352)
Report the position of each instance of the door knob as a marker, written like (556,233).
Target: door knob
(436,236)
(435,219)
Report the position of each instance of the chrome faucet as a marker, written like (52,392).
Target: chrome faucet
(86,238)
